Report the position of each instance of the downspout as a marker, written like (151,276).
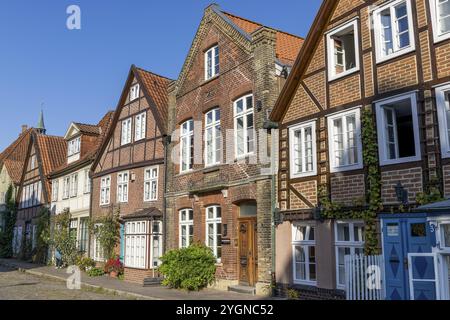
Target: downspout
(166,141)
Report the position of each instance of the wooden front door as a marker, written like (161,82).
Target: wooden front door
(247,251)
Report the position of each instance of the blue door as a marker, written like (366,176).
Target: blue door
(402,236)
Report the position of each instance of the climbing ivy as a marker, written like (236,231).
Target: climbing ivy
(368,212)
(6,237)
(431,196)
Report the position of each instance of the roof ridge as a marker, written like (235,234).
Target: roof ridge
(262,25)
(153,73)
(86,124)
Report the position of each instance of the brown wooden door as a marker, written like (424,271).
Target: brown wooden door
(247,252)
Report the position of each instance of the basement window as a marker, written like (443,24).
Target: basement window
(440,16)
(398,130)
(343,50)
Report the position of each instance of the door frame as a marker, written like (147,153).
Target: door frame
(436,273)
(252,263)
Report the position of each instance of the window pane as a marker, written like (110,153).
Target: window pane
(298,156)
(338,142)
(358,233)
(446,232)
(312,263)
(300,267)
(387,43)
(239,106)
(343,232)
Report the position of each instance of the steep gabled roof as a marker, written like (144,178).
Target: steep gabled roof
(156,91)
(100,130)
(304,58)
(15,155)
(53,151)
(288,45)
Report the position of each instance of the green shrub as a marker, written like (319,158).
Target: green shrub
(95,272)
(191,268)
(85,263)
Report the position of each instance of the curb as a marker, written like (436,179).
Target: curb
(83,284)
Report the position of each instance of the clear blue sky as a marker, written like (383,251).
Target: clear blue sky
(79,74)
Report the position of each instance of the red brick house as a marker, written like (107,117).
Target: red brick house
(219,170)
(44,154)
(387,57)
(128,173)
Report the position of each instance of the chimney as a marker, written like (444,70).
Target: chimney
(24,128)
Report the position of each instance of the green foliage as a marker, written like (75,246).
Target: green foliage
(107,232)
(42,236)
(293,294)
(63,240)
(7,235)
(433,195)
(85,263)
(191,268)
(95,272)
(374,205)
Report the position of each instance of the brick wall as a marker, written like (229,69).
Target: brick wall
(411,179)
(348,189)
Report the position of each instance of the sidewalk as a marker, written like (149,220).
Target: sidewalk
(123,288)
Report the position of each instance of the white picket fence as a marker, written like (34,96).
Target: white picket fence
(364,277)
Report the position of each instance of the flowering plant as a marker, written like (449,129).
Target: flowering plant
(114,265)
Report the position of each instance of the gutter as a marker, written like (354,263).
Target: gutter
(167,141)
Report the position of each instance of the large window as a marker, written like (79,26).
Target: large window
(186,232)
(105,190)
(87,182)
(343,51)
(304,254)
(302,145)
(31,195)
(440,15)
(134,92)
(212,62)
(393,30)
(126,131)
(73,185)
(398,130)
(151,184)
(349,240)
(74,146)
(344,131)
(443,108)
(83,235)
(213,138)
(98,249)
(244,128)
(136,242)
(140,126)
(187,146)
(55,187)
(122,187)
(66,188)
(214,230)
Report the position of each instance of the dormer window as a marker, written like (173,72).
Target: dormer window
(134,92)
(74,146)
(212,63)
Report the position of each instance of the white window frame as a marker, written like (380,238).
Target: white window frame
(381,130)
(134,92)
(444,127)
(214,126)
(292,158)
(74,185)
(215,221)
(187,223)
(380,57)
(105,190)
(438,36)
(305,244)
(87,182)
(55,190)
(186,145)
(332,148)
(66,187)
(352,244)
(149,181)
(140,126)
(74,146)
(331,53)
(123,183)
(99,252)
(155,260)
(246,111)
(215,58)
(137,236)
(126,131)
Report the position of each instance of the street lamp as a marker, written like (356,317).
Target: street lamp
(402,193)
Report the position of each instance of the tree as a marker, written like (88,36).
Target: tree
(7,236)
(63,240)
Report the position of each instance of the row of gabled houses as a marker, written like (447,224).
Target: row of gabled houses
(284,155)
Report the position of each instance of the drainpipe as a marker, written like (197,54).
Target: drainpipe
(167,141)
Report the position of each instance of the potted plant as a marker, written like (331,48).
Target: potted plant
(114,267)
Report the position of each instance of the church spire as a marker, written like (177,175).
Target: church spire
(41,126)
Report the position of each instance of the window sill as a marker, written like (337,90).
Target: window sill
(303,175)
(305,283)
(150,201)
(440,38)
(211,79)
(399,161)
(342,75)
(397,54)
(246,156)
(212,168)
(352,167)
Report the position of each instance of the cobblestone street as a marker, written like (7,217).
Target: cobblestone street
(16,285)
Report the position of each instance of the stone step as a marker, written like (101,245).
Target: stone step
(152,282)
(242,289)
